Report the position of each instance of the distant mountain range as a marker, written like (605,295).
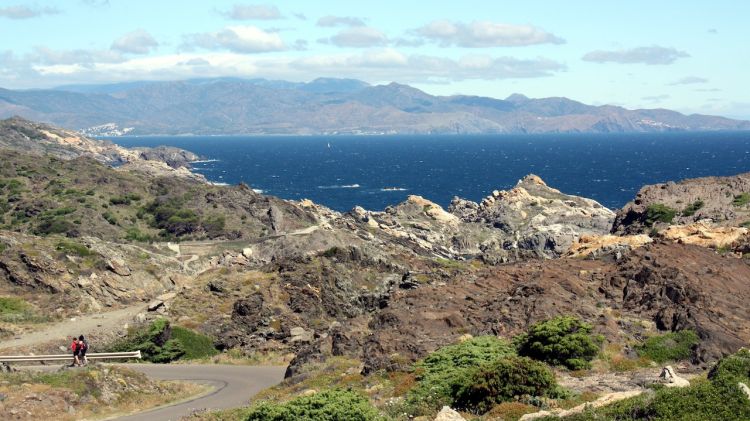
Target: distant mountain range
(324,106)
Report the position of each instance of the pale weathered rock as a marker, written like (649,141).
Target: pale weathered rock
(448,414)
(118,266)
(299,334)
(671,379)
(743,387)
(166,296)
(605,400)
(155,305)
(704,234)
(595,246)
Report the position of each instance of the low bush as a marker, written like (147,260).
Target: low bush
(502,381)
(658,212)
(673,346)
(53,226)
(441,374)
(11,305)
(732,369)
(160,342)
(692,208)
(172,218)
(134,234)
(110,217)
(195,345)
(125,199)
(72,247)
(331,405)
(564,340)
(741,199)
(16,310)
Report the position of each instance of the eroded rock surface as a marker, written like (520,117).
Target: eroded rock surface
(721,200)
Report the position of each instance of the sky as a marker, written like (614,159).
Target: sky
(690,56)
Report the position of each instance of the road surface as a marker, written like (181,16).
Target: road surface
(234,386)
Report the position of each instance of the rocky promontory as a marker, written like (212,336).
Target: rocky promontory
(722,201)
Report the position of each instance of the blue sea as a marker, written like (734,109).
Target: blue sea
(377,171)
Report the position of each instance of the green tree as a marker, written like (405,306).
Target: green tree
(564,340)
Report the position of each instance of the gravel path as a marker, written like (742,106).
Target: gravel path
(94,326)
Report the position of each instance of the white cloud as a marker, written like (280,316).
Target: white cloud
(389,64)
(25,12)
(136,42)
(240,39)
(254,12)
(690,80)
(48,56)
(330,21)
(656,98)
(480,34)
(646,55)
(359,37)
(384,64)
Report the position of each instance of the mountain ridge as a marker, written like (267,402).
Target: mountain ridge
(327,106)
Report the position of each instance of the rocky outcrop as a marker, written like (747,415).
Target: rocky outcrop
(174,157)
(448,414)
(93,275)
(37,138)
(705,234)
(669,378)
(589,246)
(531,220)
(724,201)
(686,287)
(671,286)
(161,169)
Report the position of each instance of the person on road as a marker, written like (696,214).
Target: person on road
(74,348)
(83,346)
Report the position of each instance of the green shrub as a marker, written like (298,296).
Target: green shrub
(11,305)
(741,199)
(159,342)
(195,345)
(658,212)
(134,234)
(169,216)
(672,346)
(53,226)
(124,199)
(441,374)
(692,208)
(72,247)
(564,340)
(502,381)
(110,217)
(732,369)
(16,310)
(213,225)
(329,405)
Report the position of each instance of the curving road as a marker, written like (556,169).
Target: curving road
(233,387)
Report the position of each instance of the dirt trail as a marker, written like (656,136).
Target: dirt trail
(94,326)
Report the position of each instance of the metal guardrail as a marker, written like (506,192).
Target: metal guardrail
(68,357)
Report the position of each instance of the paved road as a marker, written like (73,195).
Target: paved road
(234,386)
